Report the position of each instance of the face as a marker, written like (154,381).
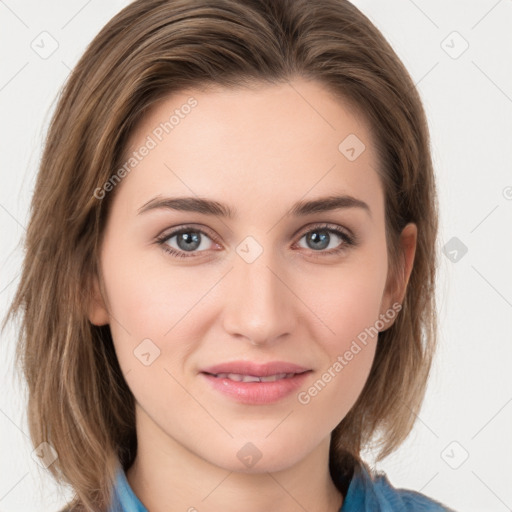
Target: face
(286,288)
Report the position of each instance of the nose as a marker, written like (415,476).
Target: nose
(260,305)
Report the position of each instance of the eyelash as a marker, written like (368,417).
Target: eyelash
(348,240)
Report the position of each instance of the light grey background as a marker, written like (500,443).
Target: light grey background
(460,451)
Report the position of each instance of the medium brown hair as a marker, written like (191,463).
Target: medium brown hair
(79,401)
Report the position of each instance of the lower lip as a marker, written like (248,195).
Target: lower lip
(257,393)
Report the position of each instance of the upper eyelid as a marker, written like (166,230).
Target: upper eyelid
(170,232)
(327,226)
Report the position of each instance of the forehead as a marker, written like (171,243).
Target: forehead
(278,142)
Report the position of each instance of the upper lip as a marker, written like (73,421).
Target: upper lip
(255,369)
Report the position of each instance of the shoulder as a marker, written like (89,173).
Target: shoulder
(371,490)
(404,499)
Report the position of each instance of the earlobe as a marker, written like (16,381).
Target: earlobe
(97,309)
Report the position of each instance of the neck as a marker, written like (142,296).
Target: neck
(167,476)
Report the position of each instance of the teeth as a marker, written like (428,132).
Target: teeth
(251,378)
(244,378)
(273,378)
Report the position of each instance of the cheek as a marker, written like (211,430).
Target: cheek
(149,308)
(148,297)
(349,306)
(154,320)
(349,350)
(348,300)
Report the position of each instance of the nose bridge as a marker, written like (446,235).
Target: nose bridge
(259,306)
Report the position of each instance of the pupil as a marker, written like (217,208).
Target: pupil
(319,241)
(188,241)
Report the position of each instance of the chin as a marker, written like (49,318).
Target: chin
(260,455)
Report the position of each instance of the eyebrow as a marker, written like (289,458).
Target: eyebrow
(214,208)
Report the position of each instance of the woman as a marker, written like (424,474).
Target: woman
(228,289)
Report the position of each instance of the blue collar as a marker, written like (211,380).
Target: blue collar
(125,499)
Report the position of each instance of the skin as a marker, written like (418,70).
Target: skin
(258,150)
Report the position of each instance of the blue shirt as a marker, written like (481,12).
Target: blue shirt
(367,492)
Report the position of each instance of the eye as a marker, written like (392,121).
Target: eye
(187,240)
(327,237)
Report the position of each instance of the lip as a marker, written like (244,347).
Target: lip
(256,369)
(256,393)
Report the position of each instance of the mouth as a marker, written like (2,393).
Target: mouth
(255,384)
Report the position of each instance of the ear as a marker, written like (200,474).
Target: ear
(97,310)
(397,284)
